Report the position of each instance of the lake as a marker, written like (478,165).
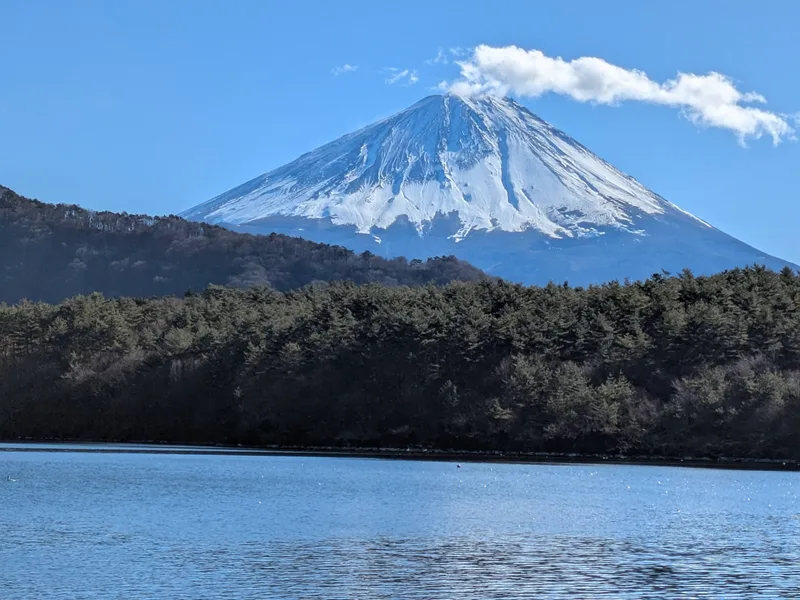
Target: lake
(100,525)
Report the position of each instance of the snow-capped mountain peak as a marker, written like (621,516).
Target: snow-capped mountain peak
(488,160)
(484,179)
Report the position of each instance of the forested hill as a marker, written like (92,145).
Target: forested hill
(52,252)
(700,366)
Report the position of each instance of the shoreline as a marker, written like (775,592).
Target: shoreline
(152,447)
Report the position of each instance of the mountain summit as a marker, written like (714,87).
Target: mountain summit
(484,179)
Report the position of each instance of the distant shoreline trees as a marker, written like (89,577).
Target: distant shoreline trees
(672,366)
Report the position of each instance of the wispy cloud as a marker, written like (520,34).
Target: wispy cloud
(345,68)
(445,57)
(710,100)
(405,76)
(441,58)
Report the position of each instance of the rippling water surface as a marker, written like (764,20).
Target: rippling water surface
(108,525)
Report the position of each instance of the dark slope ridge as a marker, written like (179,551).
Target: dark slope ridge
(49,252)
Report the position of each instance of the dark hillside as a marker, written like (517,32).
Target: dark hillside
(51,252)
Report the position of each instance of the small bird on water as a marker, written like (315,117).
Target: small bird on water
(10,479)
(458,466)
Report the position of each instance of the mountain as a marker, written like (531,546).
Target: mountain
(486,180)
(50,252)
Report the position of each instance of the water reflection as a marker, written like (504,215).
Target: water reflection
(521,567)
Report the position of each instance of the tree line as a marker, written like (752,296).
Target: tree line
(51,252)
(671,366)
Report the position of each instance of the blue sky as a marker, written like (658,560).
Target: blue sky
(153,106)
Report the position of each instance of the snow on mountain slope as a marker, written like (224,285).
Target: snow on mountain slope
(484,179)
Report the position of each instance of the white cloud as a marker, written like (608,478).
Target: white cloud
(397,76)
(345,68)
(710,100)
